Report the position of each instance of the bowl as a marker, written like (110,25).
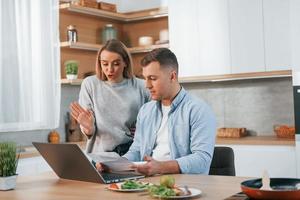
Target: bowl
(145,41)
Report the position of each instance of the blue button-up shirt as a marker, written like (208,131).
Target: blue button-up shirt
(191,127)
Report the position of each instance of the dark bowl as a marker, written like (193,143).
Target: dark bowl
(283,188)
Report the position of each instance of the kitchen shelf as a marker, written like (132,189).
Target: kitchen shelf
(123,17)
(72,82)
(96,47)
(147,48)
(81,45)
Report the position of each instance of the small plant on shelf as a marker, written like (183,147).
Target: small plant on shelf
(71,67)
(8,165)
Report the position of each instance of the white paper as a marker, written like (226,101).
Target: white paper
(103,156)
(113,161)
(120,164)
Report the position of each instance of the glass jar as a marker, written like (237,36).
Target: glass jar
(108,32)
(72,33)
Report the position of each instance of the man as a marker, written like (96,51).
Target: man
(175,133)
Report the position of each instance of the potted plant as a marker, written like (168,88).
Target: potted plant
(8,165)
(71,67)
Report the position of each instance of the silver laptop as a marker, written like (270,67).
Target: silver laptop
(69,162)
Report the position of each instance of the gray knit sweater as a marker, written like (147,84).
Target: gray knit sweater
(115,107)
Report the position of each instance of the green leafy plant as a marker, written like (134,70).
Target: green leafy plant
(8,159)
(71,67)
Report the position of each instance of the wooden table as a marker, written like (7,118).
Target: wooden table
(49,186)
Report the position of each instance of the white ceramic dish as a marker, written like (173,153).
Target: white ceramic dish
(194,192)
(127,190)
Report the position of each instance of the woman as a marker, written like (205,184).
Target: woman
(110,100)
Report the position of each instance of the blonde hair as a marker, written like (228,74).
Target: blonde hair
(118,47)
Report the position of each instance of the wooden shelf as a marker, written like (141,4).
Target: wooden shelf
(96,47)
(147,48)
(71,82)
(123,17)
(81,45)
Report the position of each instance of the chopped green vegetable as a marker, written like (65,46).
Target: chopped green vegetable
(161,191)
(131,184)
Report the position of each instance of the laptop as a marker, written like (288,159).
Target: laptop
(69,162)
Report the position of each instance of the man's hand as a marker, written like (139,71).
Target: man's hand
(83,116)
(158,167)
(150,168)
(101,168)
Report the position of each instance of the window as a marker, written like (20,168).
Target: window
(29,65)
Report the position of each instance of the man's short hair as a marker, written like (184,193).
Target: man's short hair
(164,56)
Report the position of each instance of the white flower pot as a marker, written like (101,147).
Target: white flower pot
(71,76)
(8,183)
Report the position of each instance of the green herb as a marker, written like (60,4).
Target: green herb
(130,184)
(161,191)
(71,67)
(8,159)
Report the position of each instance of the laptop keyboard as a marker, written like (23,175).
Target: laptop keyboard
(116,177)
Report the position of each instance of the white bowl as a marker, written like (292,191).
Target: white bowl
(145,41)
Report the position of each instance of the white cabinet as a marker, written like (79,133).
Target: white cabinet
(252,160)
(295,39)
(216,37)
(199,36)
(277,34)
(246,36)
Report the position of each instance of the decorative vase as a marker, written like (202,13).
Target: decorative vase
(53,137)
(71,76)
(8,183)
(71,67)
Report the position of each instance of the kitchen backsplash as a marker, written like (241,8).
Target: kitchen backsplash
(254,104)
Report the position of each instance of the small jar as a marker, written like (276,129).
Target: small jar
(109,32)
(72,33)
(54,137)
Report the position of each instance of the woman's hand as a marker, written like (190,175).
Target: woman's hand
(83,116)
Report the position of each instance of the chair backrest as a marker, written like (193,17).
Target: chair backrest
(222,162)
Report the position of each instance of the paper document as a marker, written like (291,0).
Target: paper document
(112,161)
(103,156)
(120,164)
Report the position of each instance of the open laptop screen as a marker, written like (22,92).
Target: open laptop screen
(69,162)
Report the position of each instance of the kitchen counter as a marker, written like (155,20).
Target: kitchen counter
(29,152)
(256,140)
